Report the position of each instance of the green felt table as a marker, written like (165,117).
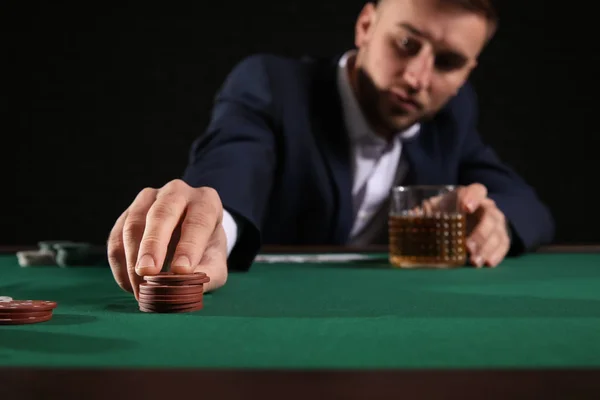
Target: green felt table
(538,314)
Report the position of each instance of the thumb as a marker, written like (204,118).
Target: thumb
(470,197)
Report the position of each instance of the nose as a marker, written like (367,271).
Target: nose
(418,70)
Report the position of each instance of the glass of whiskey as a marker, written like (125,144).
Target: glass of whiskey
(427,228)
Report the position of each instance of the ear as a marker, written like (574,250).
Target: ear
(364,24)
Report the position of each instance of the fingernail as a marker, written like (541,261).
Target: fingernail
(146,262)
(471,206)
(182,261)
(479,261)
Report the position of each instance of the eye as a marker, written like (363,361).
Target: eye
(409,45)
(449,61)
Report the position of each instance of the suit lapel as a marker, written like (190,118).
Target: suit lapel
(330,132)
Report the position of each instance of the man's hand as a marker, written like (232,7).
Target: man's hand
(176,222)
(487,236)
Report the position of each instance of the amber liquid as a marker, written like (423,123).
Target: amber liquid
(436,241)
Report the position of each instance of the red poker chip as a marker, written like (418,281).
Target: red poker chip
(171,299)
(188,300)
(23,314)
(169,277)
(19,320)
(166,306)
(27,305)
(170,290)
(191,282)
(153,309)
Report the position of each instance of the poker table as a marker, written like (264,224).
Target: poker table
(322,329)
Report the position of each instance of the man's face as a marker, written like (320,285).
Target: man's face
(413,56)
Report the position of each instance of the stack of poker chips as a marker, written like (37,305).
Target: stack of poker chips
(20,312)
(172,293)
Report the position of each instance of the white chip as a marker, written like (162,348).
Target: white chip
(5,299)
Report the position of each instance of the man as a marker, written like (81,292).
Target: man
(306,151)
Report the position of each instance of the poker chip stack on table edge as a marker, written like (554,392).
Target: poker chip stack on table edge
(20,312)
(63,253)
(172,293)
(29,258)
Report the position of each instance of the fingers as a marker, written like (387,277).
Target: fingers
(481,256)
(488,243)
(470,197)
(214,260)
(133,231)
(203,217)
(494,249)
(483,228)
(498,254)
(446,202)
(498,242)
(177,224)
(161,219)
(431,205)
(116,254)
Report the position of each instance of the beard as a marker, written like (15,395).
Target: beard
(380,112)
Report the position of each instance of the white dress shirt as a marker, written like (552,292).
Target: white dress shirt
(375,160)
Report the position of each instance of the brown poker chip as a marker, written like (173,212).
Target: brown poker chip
(21,320)
(169,306)
(27,305)
(145,288)
(170,299)
(176,309)
(172,293)
(23,314)
(171,278)
(194,282)
(158,297)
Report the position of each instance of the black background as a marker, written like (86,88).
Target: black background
(101,101)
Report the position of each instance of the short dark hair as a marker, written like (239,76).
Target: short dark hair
(484,8)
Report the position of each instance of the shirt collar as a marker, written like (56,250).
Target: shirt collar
(354,119)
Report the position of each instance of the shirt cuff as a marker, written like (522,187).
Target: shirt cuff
(231,230)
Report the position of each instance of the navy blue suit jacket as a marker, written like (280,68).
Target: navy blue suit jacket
(277,152)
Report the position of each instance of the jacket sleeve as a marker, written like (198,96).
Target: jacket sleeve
(236,155)
(530,221)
